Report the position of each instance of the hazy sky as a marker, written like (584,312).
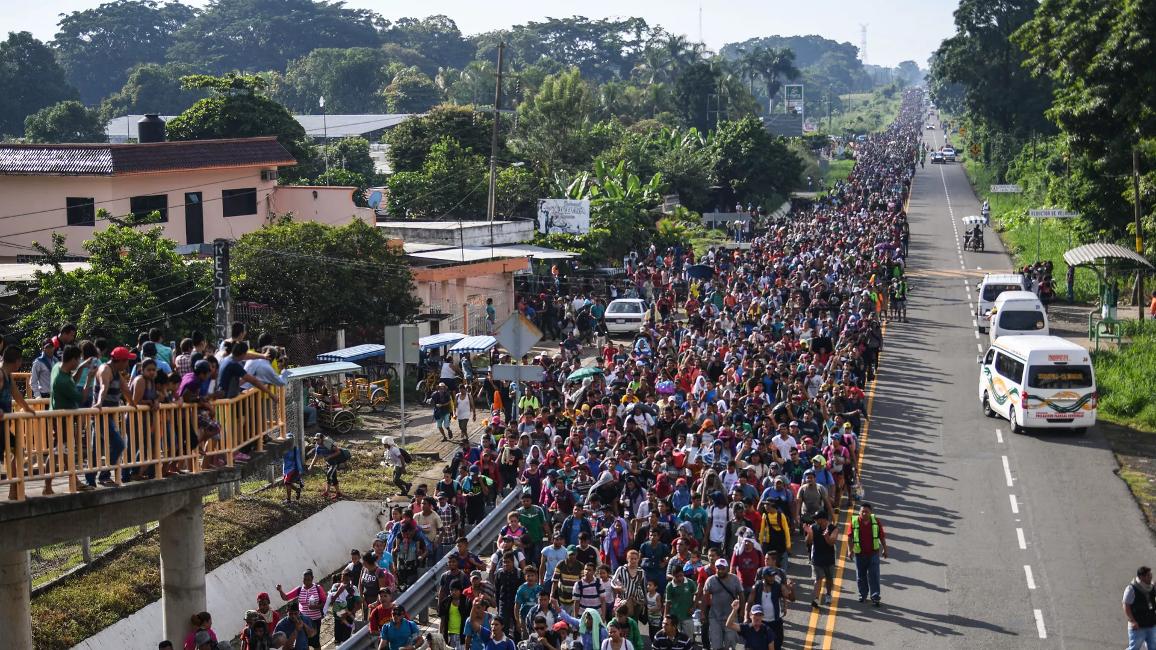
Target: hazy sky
(897,29)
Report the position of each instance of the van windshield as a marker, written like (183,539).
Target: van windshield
(992,291)
(1057,377)
(1021,321)
(625,308)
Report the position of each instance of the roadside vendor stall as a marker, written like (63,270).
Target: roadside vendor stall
(1109,262)
(297,395)
(369,387)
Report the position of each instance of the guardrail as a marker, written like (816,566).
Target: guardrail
(47,445)
(418,598)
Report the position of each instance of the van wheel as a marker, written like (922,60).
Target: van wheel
(985,404)
(1011,418)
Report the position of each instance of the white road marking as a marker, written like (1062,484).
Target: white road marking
(1020,537)
(1043,631)
(974,323)
(979,268)
(999,437)
(1007,471)
(1028,576)
(976,332)
(1015,505)
(979,347)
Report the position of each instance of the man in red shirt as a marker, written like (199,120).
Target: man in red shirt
(866,544)
(381,613)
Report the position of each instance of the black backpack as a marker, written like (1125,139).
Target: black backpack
(405,455)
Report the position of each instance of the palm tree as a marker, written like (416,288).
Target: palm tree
(777,64)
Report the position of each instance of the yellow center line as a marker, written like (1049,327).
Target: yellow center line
(840,564)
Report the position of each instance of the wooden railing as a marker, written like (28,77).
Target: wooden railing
(48,445)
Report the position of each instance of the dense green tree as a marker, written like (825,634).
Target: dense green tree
(438,37)
(751,162)
(410,141)
(30,79)
(67,121)
(622,209)
(696,95)
(683,157)
(909,72)
(135,280)
(452,183)
(998,91)
(1099,58)
(601,49)
(99,46)
(411,91)
(517,192)
(239,109)
(554,124)
(258,35)
(366,280)
(349,80)
(152,88)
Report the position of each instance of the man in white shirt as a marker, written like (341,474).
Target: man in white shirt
(464,407)
(785,442)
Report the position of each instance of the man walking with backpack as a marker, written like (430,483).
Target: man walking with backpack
(1140,610)
(399,459)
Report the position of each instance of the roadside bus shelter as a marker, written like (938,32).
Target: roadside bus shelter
(1109,262)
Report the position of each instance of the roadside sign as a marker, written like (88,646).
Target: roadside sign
(518,335)
(974,150)
(1052,214)
(401,344)
(1006,189)
(509,372)
(962,130)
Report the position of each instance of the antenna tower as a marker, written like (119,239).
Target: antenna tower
(863,42)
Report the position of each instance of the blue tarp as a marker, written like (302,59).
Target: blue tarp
(438,340)
(474,344)
(355,353)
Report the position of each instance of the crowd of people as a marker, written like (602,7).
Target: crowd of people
(73,372)
(664,497)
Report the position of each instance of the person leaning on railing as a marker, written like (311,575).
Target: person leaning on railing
(12,359)
(71,388)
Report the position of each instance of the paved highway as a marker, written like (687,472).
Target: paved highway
(997,540)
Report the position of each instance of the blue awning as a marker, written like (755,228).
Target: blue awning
(474,344)
(438,340)
(355,353)
(321,369)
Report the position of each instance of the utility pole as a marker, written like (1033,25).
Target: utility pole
(491,203)
(325,136)
(1139,231)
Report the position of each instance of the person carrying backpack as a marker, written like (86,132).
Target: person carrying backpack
(399,459)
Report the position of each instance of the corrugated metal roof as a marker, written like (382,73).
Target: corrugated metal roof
(321,369)
(474,344)
(1092,253)
(355,353)
(116,159)
(27,272)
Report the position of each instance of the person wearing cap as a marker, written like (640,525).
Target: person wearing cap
(265,611)
(40,378)
(821,537)
(772,589)
(756,634)
(297,629)
(823,476)
(400,633)
(866,543)
(811,499)
(111,392)
(309,597)
(566,575)
(718,594)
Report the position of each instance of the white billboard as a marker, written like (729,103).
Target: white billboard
(571,216)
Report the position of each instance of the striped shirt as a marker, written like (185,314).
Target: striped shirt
(588,594)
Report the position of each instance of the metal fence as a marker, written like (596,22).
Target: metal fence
(420,596)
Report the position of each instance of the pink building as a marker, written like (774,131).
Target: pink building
(204,190)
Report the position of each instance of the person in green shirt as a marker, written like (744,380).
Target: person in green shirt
(679,600)
(533,519)
(66,394)
(696,515)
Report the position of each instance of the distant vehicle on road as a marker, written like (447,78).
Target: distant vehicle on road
(625,315)
(990,288)
(937,158)
(1038,382)
(949,154)
(930,127)
(1018,313)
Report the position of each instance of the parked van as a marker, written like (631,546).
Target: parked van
(1038,382)
(1018,313)
(989,289)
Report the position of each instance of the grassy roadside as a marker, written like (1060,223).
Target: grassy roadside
(129,579)
(1125,378)
(1023,237)
(838,170)
(862,112)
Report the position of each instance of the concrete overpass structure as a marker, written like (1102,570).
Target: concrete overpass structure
(68,444)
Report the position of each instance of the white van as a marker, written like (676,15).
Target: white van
(989,289)
(1038,382)
(1018,313)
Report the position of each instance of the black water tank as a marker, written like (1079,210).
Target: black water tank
(151,129)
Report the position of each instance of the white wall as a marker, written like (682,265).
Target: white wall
(321,543)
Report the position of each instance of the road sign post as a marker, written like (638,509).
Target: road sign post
(401,347)
(1006,189)
(1050,213)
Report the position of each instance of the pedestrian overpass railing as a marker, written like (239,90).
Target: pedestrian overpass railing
(45,445)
